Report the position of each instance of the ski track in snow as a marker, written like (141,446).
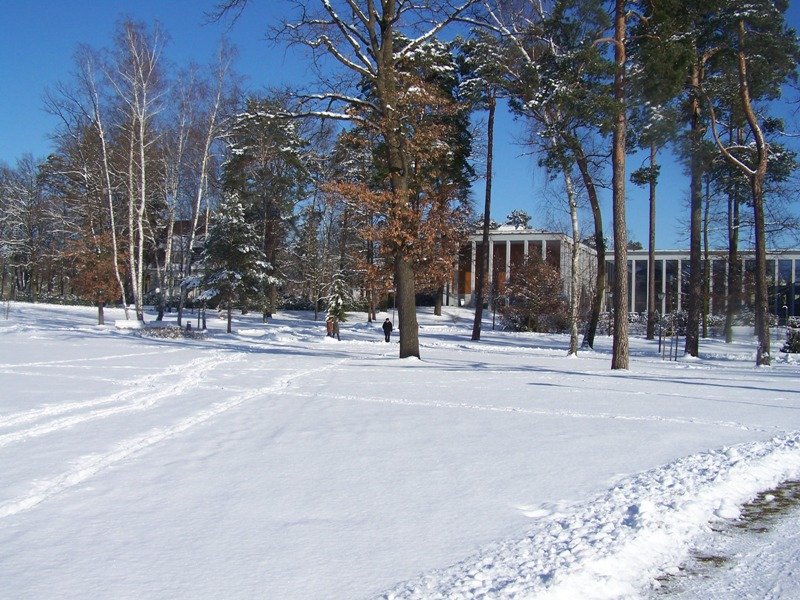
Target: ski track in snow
(614,545)
(93,464)
(551,413)
(143,393)
(90,361)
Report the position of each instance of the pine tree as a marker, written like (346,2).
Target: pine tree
(236,267)
(755,38)
(518,219)
(485,78)
(266,170)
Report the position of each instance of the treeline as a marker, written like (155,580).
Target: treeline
(367,178)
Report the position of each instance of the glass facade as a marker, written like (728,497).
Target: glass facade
(672,275)
(671,297)
(719,273)
(641,286)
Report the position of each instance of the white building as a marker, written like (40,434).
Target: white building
(510,246)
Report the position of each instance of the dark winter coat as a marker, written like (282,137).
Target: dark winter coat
(387,326)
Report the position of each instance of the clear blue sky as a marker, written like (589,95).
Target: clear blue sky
(40,37)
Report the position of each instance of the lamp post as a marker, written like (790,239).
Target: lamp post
(160,307)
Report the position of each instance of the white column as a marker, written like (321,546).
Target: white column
(727,292)
(491,263)
(710,277)
(743,261)
(525,249)
(663,308)
(679,283)
(508,260)
(632,307)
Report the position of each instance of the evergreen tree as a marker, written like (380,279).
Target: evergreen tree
(236,266)
(518,219)
(338,298)
(485,78)
(266,171)
(764,52)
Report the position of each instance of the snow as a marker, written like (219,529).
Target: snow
(276,462)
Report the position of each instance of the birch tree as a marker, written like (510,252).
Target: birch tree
(85,147)
(136,76)
(562,83)
(213,104)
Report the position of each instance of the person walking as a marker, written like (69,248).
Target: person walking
(387,328)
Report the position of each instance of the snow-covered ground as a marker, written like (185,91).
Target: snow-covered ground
(277,463)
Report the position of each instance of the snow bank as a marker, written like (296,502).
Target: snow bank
(612,546)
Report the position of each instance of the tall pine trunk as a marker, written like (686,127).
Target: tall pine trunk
(734,279)
(706,260)
(651,249)
(599,244)
(695,296)
(574,286)
(482,265)
(620,350)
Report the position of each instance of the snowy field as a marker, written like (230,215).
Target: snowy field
(277,463)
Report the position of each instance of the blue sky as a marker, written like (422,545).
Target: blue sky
(40,37)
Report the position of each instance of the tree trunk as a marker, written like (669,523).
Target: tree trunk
(109,190)
(757,178)
(574,274)
(397,163)
(695,295)
(706,260)
(734,277)
(599,243)
(620,353)
(651,250)
(437,309)
(761,307)
(406,306)
(756,175)
(482,266)
(131,231)
(100,316)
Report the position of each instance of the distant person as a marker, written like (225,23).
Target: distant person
(387,329)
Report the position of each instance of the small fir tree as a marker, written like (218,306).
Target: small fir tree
(337,300)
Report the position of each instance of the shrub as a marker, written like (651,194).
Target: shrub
(534,299)
(792,343)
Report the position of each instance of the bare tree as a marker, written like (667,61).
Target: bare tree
(136,76)
(209,125)
(554,51)
(85,149)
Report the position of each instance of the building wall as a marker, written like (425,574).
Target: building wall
(510,247)
(672,278)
